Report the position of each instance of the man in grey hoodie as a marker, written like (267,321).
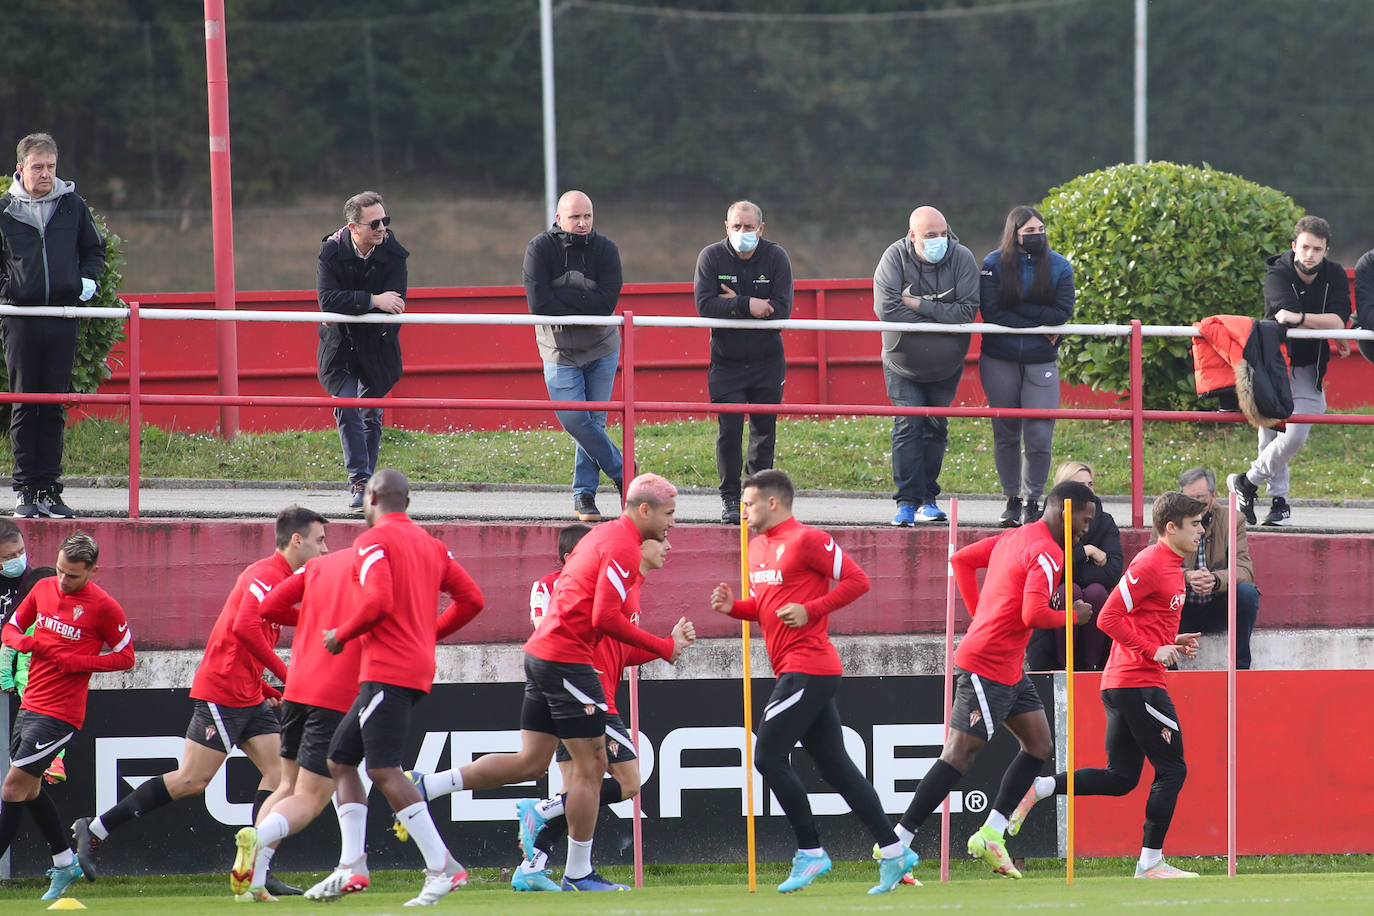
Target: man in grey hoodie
(50,254)
(925,277)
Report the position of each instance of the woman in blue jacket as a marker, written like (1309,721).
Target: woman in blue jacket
(1021,370)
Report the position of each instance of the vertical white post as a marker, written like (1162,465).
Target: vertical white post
(1141,47)
(550,137)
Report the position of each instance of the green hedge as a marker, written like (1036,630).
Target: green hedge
(1168,244)
(98,335)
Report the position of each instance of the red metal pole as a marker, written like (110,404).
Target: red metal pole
(822,354)
(135,408)
(627,352)
(1235,524)
(222,208)
(1137,427)
(949,670)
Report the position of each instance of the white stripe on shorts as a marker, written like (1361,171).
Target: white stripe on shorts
(1161,717)
(366,712)
(50,748)
(219,724)
(617,736)
(581,697)
(982,703)
(782,705)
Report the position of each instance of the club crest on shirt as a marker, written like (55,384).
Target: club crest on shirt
(77,612)
(1167,735)
(1176,603)
(974,718)
(781,549)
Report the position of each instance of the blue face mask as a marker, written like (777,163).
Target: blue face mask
(14,567)
(744,242)
(934,249)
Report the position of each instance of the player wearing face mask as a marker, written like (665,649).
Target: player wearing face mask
(744,276)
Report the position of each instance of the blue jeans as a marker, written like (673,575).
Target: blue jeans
(918,443)
(595,450)
(360,431)
(1210,617)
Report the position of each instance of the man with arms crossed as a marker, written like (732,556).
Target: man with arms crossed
(400,569)
(319,689)
(1141,616)
(1024,567)
(75,619)
(234,707)
(563,696)
(791,566)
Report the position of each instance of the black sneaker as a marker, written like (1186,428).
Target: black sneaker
(86,845)
(584,507)
(729,511)
(1279,513)
(356,489)
(49,502)
(279,888)
(1245,492)
(24,506)
(1031,513)
(1011,516)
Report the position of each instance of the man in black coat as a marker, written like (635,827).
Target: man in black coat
(361,269)
(50,254)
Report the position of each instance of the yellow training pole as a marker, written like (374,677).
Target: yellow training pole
(1068,671)
(748,711)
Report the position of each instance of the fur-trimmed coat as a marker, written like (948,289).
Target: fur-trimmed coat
(1242,362)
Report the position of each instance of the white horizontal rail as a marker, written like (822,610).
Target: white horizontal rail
(649,321)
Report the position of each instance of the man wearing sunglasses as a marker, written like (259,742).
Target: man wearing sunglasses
(362,269)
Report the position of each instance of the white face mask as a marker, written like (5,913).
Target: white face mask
(14,567)
(744,242)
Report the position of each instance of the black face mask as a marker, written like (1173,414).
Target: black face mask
(1033,244)
(1206,520)
(1302,268)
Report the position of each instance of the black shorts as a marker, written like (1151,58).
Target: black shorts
(36,739)
(375,727)
(562,699)
(980,704)
(223,728)
(306,732)
(619,748)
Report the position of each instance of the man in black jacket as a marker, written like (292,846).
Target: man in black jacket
(50,254)
(573,270)
(1303,289)
(744,276)
(361,269)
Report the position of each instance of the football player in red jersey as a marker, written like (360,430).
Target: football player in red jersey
(1141,616)
(542,590)
(401,569)
(563,694)
(75,619)
(1024,567)
(791,568)
(234,706)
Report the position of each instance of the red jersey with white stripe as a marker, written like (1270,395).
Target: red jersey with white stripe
(589,598)
(400,569)
(1024,567)
(795,563)
(66,644)
(1141,615)
(541,592)
(328,595)
(230,673)
(611,656)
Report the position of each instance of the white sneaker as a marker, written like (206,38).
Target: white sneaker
(344,879)
(1162,869)
(440,883)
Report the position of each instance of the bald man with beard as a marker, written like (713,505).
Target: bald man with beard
(571,269)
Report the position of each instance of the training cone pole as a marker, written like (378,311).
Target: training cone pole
(1231,687)
(748,711)
(1068,678)
(637,824)
(949,670)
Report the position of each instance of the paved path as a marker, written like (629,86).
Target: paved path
(438,502)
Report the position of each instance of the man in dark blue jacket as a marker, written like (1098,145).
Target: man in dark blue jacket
(50,254)
(361,269)
(744,276)
(573,270)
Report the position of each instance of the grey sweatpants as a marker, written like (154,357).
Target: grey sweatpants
(1021,449)
(1276,448)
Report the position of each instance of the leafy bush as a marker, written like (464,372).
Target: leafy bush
(1168,244)
(98,335)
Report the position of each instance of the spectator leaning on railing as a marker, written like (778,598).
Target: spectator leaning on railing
(50,254)
(925,277)
(571,269)
(1022,370)
(1364,300)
